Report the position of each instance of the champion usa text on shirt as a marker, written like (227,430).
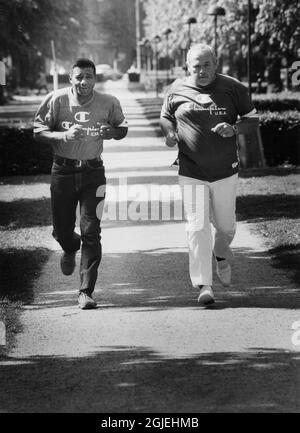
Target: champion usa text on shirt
(83,117)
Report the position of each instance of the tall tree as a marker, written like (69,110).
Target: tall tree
(280,20)
(117,26)
(27,26)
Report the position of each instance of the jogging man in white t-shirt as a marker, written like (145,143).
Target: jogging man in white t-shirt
(199,114)
(76,120)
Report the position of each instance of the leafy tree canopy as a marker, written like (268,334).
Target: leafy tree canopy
(276,22)
(279,21)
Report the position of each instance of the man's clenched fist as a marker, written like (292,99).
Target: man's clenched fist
(74,133)
(171,139)
(106,131)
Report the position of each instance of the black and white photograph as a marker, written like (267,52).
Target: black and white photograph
(149,210)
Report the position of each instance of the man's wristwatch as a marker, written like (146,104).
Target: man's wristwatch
(234,127)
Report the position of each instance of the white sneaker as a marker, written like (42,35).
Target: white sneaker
(86,302)
(223,270)
(206,296)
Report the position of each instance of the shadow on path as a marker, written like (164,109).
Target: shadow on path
(267,207)
(120,375)
(123,379)
(25,213)
(159,280)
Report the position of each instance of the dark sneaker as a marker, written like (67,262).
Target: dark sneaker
(206,296)
(223,270)
(86,302)
(67,263)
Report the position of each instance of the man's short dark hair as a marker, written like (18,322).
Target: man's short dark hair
(84,63)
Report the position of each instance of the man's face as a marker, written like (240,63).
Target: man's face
(202,68)
(83,81)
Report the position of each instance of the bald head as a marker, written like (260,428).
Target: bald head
(202,64)
(200,49)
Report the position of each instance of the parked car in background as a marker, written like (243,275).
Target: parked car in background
(106,72)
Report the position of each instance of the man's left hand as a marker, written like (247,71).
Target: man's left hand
(106,131)
(224,129)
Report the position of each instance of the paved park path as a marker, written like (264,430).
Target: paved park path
(149,347)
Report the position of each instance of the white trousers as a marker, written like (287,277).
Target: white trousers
(206,204)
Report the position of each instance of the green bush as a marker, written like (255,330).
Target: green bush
(20,154)
(284,101)
(281,137)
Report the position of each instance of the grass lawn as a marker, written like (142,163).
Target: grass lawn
(19,267)
(272,203)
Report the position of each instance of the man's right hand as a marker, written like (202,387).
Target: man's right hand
(171,139)
(74,133)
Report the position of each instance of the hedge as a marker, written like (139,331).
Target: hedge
(283,101)
(280,133)
(20,154)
